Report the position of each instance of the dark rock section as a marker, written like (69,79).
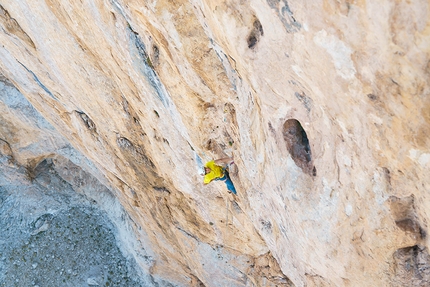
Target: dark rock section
(255,34)
(298,146)
(73,248)
(405,216)
(87,121)
(411,266)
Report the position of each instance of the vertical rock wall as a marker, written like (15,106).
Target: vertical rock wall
(324,105)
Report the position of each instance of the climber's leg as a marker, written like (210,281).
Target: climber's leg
(228,182)
(230,185)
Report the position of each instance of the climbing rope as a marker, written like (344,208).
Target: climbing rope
(226,213)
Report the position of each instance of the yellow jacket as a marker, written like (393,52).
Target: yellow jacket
(216,172)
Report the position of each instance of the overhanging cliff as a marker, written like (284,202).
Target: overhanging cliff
(324,104)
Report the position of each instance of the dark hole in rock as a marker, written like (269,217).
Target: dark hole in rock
(298,146)
(255,34)
(252,40)
(87,121)
(161,189)
(258,27)
(124,143)
(411,266)
(372,97)
(210,145)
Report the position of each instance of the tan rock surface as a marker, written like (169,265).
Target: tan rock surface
(148,90)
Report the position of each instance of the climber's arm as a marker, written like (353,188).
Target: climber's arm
(225,160)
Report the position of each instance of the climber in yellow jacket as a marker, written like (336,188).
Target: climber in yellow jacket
(214,170)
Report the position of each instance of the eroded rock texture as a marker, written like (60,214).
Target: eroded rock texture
(324,105)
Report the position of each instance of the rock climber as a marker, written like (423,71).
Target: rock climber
(214,170)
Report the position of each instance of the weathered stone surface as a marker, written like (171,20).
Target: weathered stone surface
(145,92)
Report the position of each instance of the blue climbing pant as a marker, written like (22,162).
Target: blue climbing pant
(228,182)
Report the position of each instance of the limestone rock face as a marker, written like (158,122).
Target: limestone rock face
(324,105)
